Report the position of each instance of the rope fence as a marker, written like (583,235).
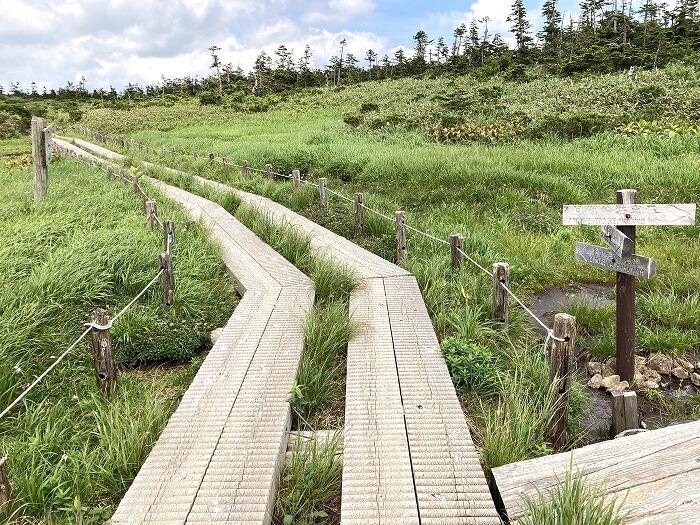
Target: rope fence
(500,273)
(103,356)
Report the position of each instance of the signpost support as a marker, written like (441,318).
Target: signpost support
(625,303)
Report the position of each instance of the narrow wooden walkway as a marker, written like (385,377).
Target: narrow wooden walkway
(655,474)
(408,453)
(218,459)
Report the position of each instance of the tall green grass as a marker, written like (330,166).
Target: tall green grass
(71,453)
(573,502)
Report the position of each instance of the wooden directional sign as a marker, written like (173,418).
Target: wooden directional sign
(608,259)
(630,214)
(618,241)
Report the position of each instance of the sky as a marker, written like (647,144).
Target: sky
(112,42)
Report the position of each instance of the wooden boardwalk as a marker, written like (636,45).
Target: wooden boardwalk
(218,459)
(656,473)
(408,453)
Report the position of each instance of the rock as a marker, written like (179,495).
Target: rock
(661,363)
(630,432)
(652,385)
(610,381)
(620,387)
(651,375)
(595,381)
(639,361)
(594,367)
(610,361)
(685,365)
(695,379)
(638,378)
(680,373)
(607,370)
(214,336)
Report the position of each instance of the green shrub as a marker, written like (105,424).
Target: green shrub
(473,367)
(10,125)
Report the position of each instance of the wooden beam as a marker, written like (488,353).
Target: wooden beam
(102,354)
(401,246)
(359,214)
(635,265)
(167,278)
(622,245)
(323,190)
(456,248)
(499,295)
(39,167)
(561,370)
(630,214)
(296,179)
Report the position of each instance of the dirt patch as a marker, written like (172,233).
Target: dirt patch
(547,304)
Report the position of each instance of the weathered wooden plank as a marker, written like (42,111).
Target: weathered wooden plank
(643,469)
(604,258)
(629,214)
(622,245)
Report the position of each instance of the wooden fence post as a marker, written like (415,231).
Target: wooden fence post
(5,489)
(39,167)
(268,167)
(323,190)
(122,176)
(167,278)
(211,158)
(456,248)
(245,171)
(625,414)
(135,186)
(296,179)
(625,308)
(110,173)
(102,354)
(561,370)
(151,211)
(499,295)
(359,214)
(168,235)
(224,161)
(401,247)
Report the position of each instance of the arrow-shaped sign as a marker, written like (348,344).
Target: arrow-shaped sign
(604,258)
(630,214)
(618,241)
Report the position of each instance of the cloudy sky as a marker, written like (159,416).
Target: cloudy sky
(113,42)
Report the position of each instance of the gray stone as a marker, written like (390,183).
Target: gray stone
(594,367)
(695,379)
(680,373)
(661,363)
(595,381)
(610,381)
(653,385)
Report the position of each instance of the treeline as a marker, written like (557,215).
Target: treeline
(609,35)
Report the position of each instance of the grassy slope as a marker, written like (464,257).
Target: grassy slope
(72,455)
(505,198)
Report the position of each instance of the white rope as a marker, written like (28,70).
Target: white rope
(88,328)
(45,373)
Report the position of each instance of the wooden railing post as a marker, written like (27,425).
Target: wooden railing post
(122,177)
(110,173)
(268,167)
(151,211)
(561,370)
(168,235)
(103,355)
(5,489)
(456,248)
(135,186)
(401,246)
(167,278)
(296,179)
(625,410)
(39,167)
(245,171)
(359,214)
(323,190)
(499,295)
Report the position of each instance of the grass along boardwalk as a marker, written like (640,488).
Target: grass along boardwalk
(408,453)
(218,459)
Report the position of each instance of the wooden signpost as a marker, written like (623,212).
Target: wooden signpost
(619,231)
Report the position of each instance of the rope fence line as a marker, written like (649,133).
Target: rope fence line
(89,327)
(502,282)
